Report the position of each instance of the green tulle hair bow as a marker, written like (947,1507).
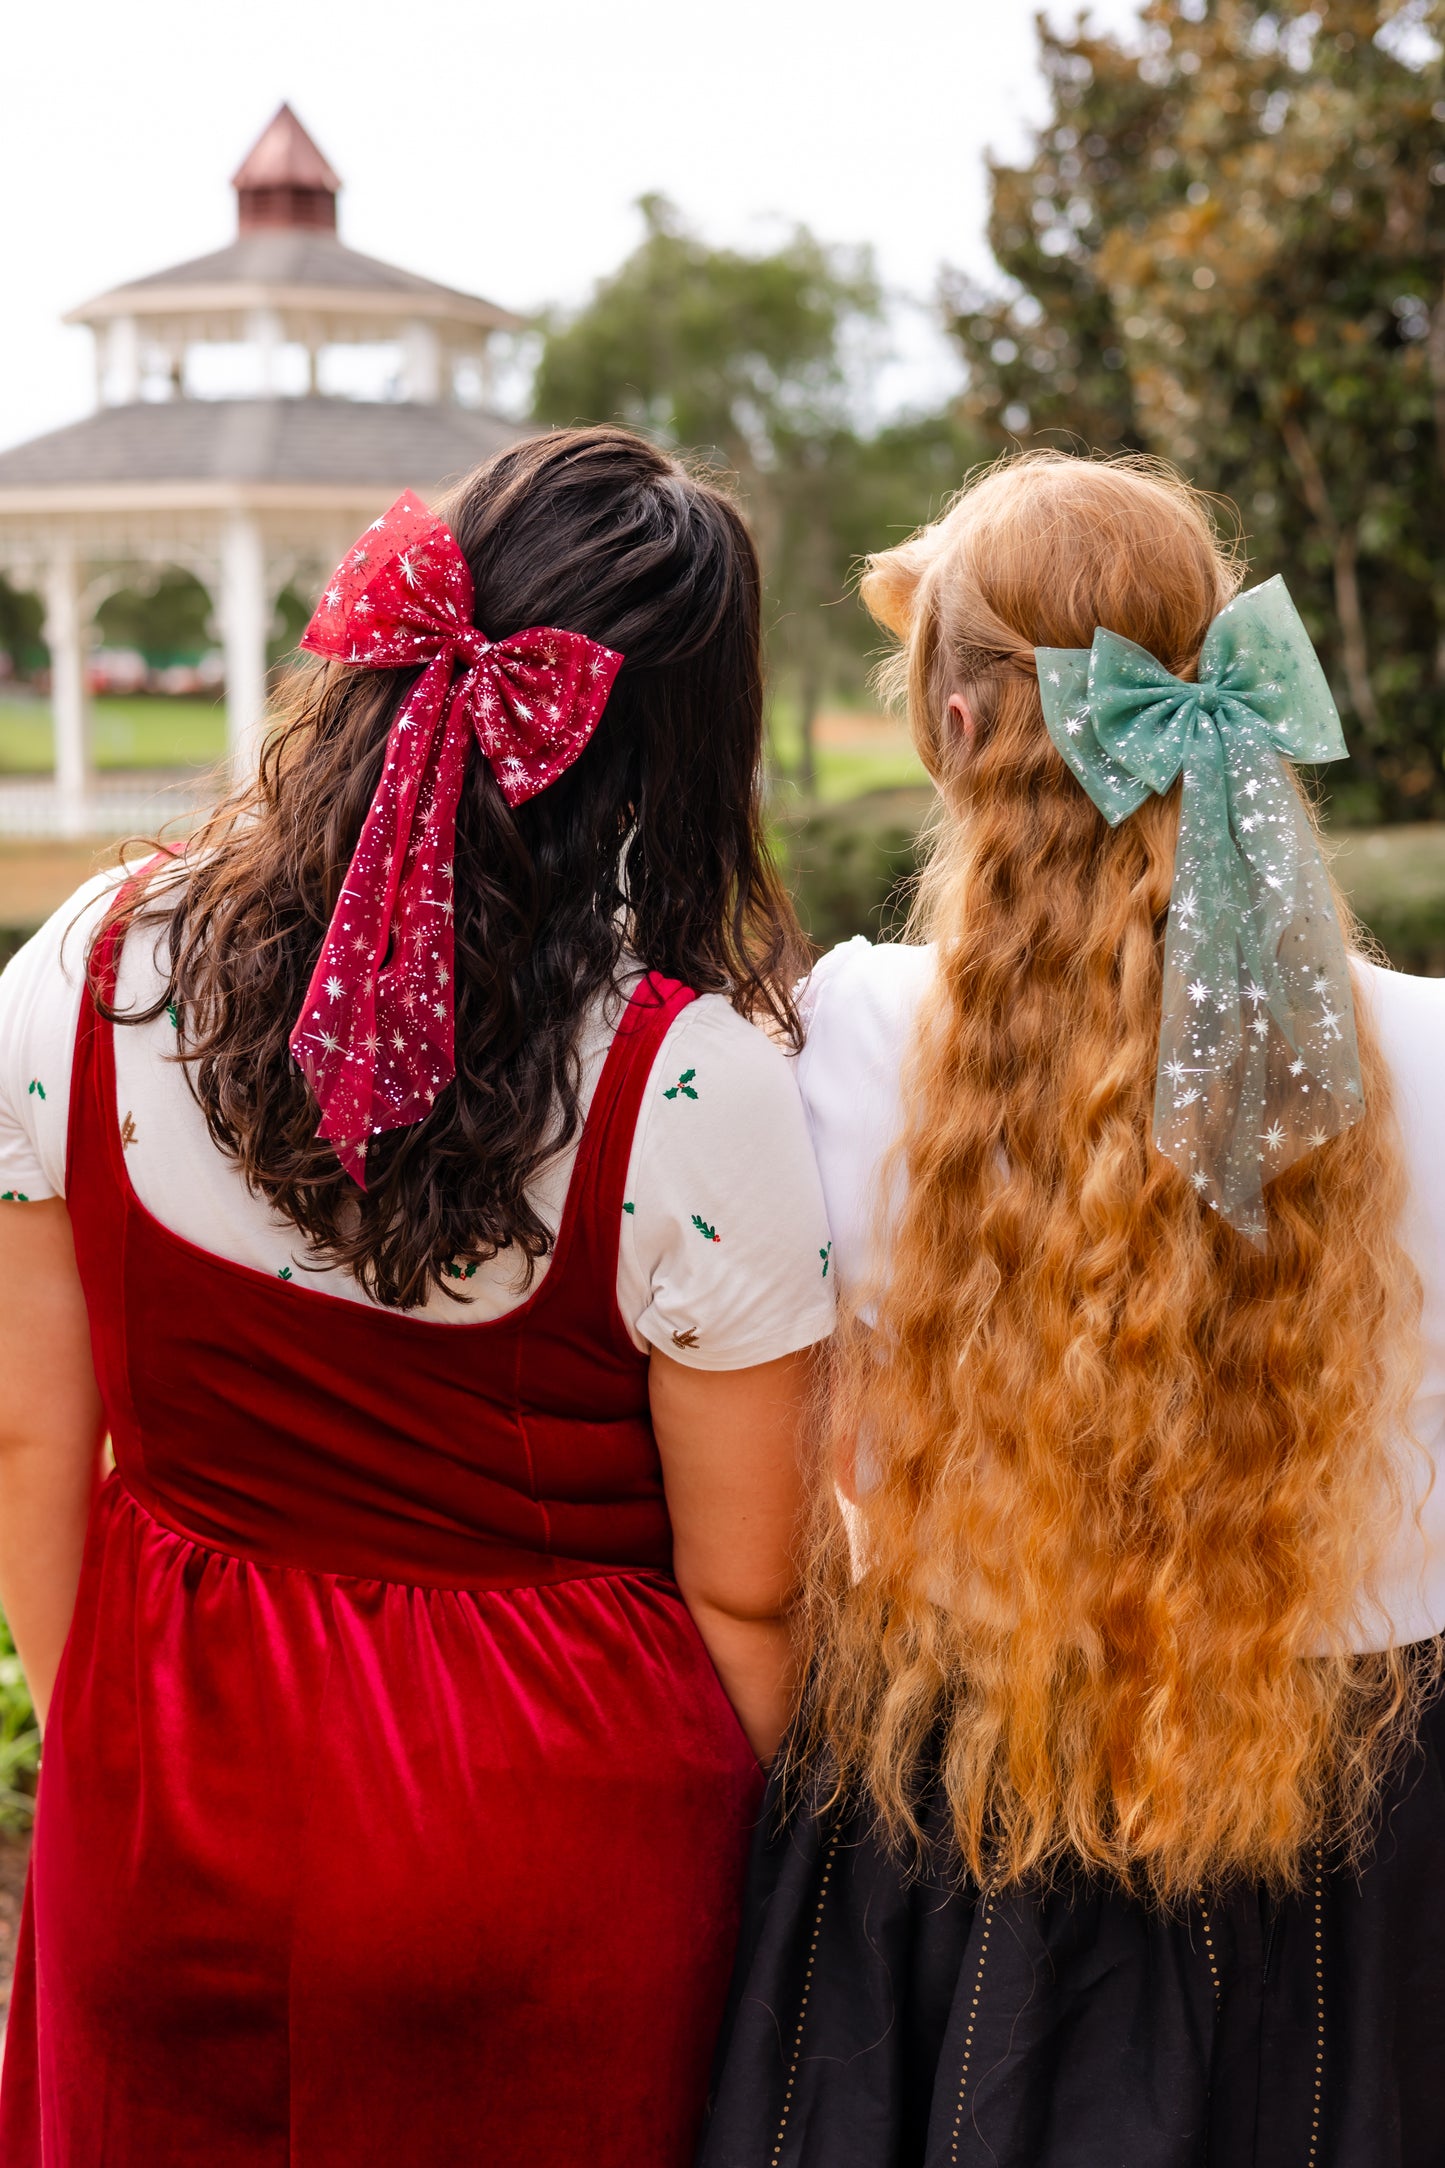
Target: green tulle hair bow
(1258,1062)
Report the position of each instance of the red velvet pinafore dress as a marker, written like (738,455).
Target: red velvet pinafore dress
(391,1809)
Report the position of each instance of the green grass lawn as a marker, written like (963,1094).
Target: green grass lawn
(125,733)
(856,752)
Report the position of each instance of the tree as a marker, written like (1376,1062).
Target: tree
(21,628)
(752,361)
(1250,204)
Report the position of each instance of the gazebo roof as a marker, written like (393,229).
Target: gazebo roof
(292,268)
(292,446)
(286,257)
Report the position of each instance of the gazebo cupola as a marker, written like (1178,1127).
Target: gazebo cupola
(285,182)
(283,298)
(253,407)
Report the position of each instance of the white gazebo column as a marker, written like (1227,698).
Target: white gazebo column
(421,363)
(266,335)
(65,636)
(244,615)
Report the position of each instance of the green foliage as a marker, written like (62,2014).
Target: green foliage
(753,363)
(167,619)
(19,1740)
(851,867)
(852,870)
(21,620)
(1228,248)
(707,348)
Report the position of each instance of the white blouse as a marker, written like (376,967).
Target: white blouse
(861,1006)
(723,1256)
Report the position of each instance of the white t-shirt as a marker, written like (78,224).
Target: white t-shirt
(861,1006)
(720,1151)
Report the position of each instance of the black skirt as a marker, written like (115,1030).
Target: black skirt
(885,2017)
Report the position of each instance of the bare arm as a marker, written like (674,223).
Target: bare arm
(732,1448)
(51,1432)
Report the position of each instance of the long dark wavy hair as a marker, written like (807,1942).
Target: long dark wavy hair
(653,843)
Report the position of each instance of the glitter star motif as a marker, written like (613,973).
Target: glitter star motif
(1260,1027)
(1198,991)
(1316,1138)
(402,597)
(1273,1136)
(1296,1068)
(1254,994)
(1200,1179)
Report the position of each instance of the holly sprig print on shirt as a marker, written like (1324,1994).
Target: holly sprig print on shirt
(35,1087)
(709,1234)
(683,1088)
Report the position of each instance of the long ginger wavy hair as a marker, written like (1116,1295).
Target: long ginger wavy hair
(1124,1479)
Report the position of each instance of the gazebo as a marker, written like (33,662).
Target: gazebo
(249,493)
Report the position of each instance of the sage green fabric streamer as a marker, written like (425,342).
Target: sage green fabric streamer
(1258,1062)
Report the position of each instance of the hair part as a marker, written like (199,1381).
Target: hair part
(652,844)
(1129,1479)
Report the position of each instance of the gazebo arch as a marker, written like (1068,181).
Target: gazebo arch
(249,493)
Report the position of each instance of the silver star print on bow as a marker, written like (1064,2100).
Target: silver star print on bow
(1258,1062)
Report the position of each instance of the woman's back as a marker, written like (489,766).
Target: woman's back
(1115,1829)
(393,1802)
(863,1008)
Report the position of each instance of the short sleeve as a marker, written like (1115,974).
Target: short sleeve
(40,990)
(860,1010)
(726,1259)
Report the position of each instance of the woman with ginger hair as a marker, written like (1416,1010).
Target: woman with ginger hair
(1114,1830)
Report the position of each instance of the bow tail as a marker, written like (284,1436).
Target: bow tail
(1206,1049)
(1309,1086)
(338,1037)
(415,1054)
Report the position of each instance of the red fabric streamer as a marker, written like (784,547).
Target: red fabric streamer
(375,1036)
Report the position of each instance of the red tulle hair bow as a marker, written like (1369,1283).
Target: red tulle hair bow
(375,1037)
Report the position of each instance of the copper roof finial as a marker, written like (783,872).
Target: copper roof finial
(284,180)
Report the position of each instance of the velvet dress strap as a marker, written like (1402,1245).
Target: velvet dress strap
(297,1428)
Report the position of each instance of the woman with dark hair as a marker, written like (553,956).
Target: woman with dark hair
(404,1186)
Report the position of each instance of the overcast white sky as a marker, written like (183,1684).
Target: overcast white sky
(496,147)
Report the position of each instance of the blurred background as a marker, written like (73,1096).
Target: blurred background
(842,257)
